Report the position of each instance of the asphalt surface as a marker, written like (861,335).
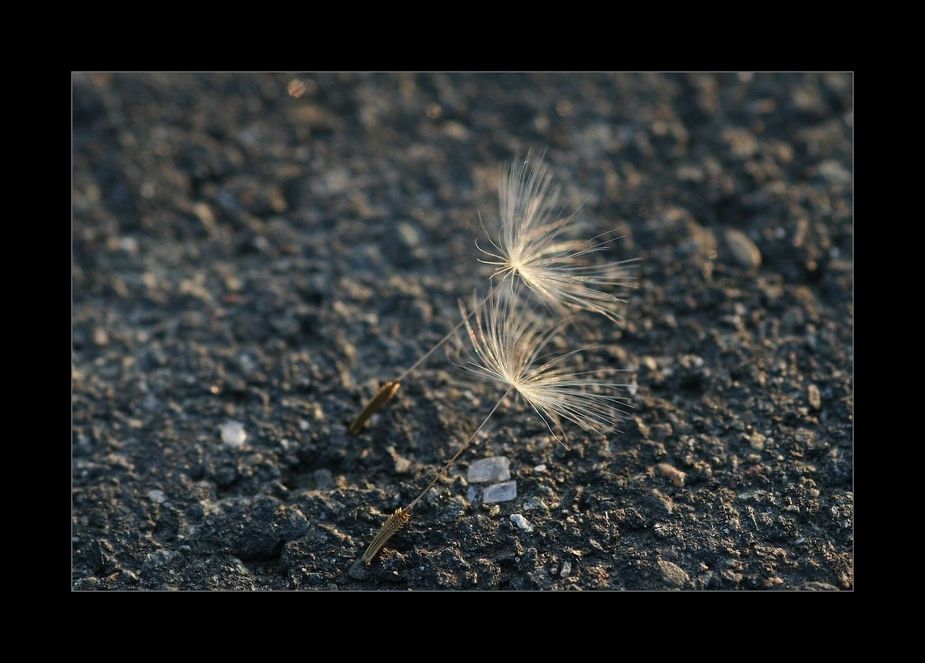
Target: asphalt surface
(254,254)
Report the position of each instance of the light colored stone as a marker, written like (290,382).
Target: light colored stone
(233,433)
(409,235)
(674,574)
(157,496)
(490,470)
(834,172)
(756,441)
(521,522)
(743,249)
(500,492)
(674,474)
(815,398)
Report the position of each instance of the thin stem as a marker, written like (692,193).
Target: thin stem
(401,517)
(452,460)
(444,339)
(430,352)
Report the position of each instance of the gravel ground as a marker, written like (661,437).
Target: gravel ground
(253,254)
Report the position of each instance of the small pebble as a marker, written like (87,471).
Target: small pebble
(834,172)
(296,88)
(247,363)
(756,441)
(743,249)
(204,213)
(233,433)
(673,473)
(500,492)
(402,465)
(566,569)
(540,468)
(490,470)
(100,337)
(157,496)
(673,574)
(815,398)
(128,576)
(159,558)
(521,522)
(129,245)
(409,235)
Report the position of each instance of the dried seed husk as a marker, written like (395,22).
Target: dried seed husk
(384,395)
(396,521)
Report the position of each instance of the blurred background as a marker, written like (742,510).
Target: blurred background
(253,254)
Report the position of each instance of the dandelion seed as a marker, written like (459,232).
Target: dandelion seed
(530,247)
(530,250)
(507,340)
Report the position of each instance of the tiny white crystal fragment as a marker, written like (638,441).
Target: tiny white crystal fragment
(490,470)
(233,433)
(500,492)
(157,496)
(521,522)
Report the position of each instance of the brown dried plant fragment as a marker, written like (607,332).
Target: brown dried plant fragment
(396,521)
(384,395)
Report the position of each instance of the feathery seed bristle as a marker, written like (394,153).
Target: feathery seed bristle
(529,247)
(507,339)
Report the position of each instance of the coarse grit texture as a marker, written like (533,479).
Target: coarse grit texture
(253,255)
